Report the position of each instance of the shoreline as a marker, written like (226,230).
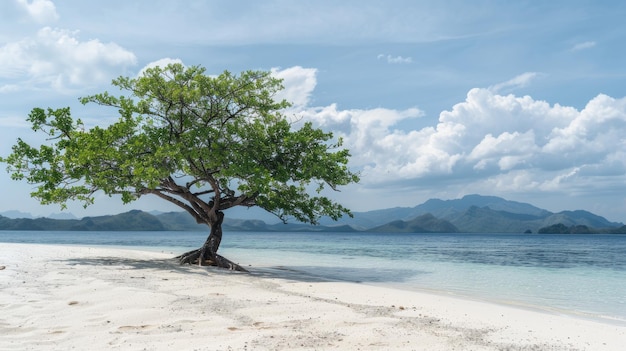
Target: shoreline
(63,296)
(590,316)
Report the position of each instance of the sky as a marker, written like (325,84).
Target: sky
(525,100)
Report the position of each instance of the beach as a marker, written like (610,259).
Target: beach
(55,297)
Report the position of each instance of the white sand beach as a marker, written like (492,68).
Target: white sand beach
(69,297)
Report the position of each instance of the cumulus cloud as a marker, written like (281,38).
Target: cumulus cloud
(299,84)
(487,143)
(41,11)
(395,59)
(57,58)
(160,63)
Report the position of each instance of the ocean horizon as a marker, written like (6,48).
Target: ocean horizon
(580,275)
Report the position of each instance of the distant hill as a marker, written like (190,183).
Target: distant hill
(15,214)
(485,219)
(479,214)
(183,221)
(444,209)
(19,214)
(136,220)
(561,228)
(62,215)
(579,217)
(128,221)
(470,214)
(476,219)
(450,208)
(421,224)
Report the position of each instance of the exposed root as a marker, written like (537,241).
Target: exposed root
(193,257)
(189,257)
(207,254)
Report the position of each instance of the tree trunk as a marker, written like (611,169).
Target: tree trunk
(207,254)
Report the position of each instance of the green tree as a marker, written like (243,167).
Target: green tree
(203,143)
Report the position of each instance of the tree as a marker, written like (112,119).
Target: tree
(205,144)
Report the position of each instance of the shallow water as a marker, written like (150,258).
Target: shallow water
(583,275)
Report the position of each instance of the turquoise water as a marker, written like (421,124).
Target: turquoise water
(584,275)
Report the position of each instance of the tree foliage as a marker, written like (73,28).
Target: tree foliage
(202,142)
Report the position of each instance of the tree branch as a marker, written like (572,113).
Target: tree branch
(198,217)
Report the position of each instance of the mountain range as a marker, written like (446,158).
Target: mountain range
(470,214)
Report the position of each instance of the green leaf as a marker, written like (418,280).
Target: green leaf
(202,142)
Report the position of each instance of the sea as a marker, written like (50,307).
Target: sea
(580,275)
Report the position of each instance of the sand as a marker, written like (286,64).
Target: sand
(69,297)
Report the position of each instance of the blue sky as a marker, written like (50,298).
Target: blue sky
(436,99)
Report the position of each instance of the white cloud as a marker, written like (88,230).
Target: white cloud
(42,11)
(369,133)
(57,58)
(489,141)
(520,81)
(395,59)
(299,84)
(584,46)
(508,150)
(160,63)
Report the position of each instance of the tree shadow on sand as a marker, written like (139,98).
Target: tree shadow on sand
(292,273)
(168,264)
(337,274)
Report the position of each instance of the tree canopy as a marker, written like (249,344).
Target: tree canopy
(205,143)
